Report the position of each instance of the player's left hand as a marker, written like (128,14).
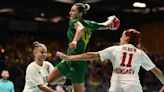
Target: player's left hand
(72,45)
(113,22)
(61,55)
(162,89)
(111,17)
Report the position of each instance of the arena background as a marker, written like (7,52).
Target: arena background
(46,21)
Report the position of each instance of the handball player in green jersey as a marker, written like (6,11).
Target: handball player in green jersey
(79,33)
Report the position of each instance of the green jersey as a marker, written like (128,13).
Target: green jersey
(89,27)
(76,70)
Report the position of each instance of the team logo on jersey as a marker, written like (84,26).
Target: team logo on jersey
(123,71)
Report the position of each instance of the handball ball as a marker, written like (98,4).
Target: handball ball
(115,24)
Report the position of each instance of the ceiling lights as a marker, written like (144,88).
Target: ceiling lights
(139,5)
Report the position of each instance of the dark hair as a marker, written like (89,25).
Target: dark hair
(82,7)
(135,36)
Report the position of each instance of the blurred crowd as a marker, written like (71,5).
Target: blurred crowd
(16,54)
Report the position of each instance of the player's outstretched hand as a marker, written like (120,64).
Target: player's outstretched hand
(61,55)
(162,89)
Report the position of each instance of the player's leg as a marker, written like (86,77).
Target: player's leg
(78,69)
(78,87)
(58,72)
(54,75)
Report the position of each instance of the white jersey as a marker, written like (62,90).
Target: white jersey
(126,61)
(36,75)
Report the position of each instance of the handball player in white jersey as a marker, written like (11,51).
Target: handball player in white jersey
(126,60)
(38,71)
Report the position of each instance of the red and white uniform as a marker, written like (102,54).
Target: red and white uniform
(126,61)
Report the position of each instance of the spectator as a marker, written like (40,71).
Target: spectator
(5,84)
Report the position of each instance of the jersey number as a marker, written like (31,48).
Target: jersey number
(129,61)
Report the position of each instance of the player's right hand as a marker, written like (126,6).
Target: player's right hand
(61,55)
(72,45)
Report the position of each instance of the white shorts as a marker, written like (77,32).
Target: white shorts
(124,87)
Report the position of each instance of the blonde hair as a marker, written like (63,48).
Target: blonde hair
(87,7)
(37,44)
(82,7)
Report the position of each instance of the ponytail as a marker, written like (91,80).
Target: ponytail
(82,7)
(87,7)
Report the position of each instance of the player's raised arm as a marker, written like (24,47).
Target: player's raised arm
(112,23)
(84,56)
(109,21)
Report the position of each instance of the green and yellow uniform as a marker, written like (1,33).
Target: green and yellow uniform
(76,70)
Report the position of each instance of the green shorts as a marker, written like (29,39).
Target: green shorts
(73,69)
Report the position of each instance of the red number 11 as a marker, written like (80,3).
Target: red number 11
(129,61)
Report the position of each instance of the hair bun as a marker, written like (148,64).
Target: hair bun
(87,7)
(35,43)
